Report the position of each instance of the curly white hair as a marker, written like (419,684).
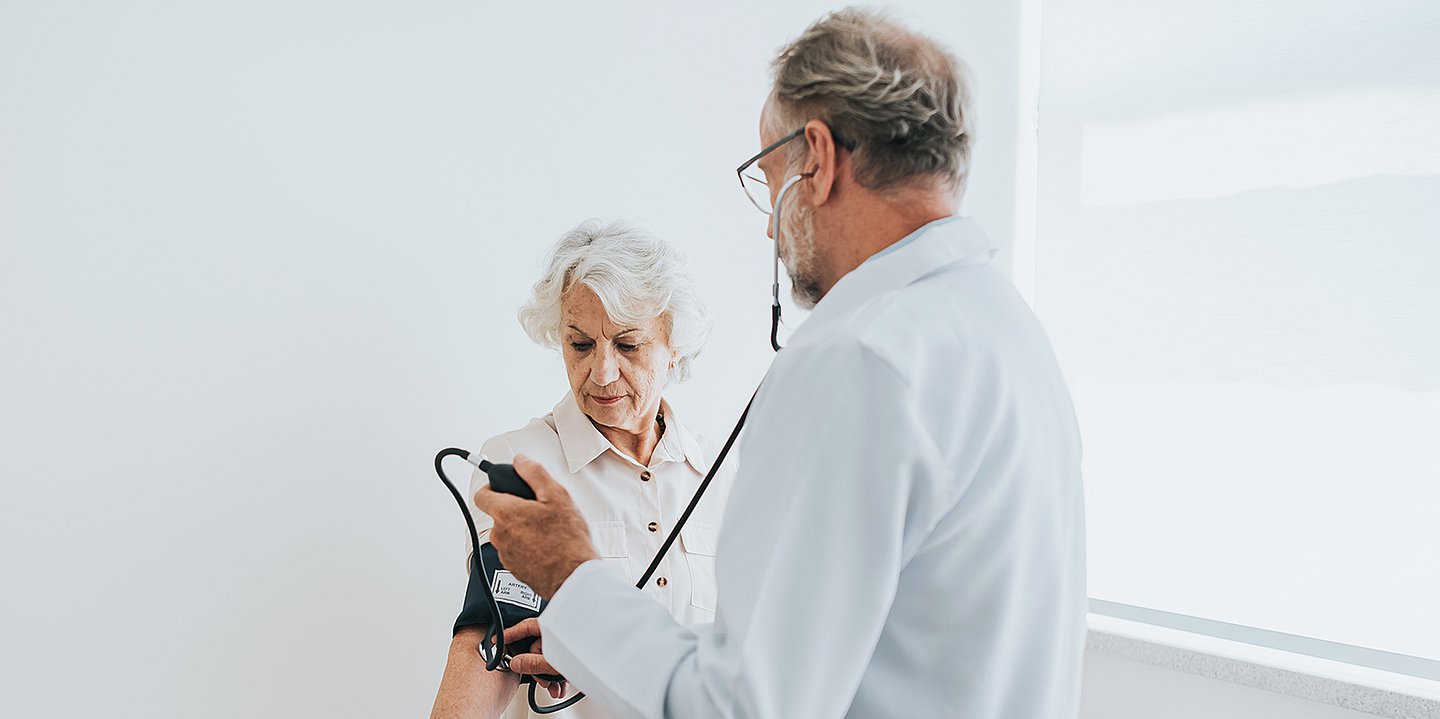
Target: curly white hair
(637,277)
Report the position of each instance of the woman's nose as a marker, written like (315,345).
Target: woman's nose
(606,369)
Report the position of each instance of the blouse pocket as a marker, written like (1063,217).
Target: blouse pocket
(698,541)
(609,541)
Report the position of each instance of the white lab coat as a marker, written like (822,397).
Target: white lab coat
(906,532)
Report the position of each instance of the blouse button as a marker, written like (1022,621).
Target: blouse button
(646,476)
(653,526)
(661,582)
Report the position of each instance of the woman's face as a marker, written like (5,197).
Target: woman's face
(616,372)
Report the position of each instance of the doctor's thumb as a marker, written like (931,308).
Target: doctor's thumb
(537,477)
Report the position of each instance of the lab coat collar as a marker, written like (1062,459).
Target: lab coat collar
(581,442)
(933,247)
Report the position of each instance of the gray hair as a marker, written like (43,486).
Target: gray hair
(637,277)
(900,97)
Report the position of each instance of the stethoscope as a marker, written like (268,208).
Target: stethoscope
(775,264)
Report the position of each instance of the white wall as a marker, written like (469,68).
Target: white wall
(260,260)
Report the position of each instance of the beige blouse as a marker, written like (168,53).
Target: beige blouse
(631,509)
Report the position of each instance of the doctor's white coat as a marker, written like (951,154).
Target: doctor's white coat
(905,536)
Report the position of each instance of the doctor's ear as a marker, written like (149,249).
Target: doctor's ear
(823,160)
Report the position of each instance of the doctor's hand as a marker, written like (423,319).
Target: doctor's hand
(533,662)
(540,541)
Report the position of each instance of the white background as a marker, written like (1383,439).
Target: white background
(260,260)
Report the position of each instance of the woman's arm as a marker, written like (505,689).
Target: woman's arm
(467,690)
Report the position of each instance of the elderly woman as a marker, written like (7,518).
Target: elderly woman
(621,308)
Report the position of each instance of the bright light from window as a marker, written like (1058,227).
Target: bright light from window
(1238,258)
(1221,151)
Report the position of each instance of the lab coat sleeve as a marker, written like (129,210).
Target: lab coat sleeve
(836,489)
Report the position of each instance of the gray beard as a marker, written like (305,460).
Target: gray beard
(806,292)
(804,287)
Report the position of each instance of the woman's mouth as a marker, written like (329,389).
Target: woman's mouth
(603,400)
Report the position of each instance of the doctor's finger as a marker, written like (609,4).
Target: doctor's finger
(522,629)
(496,504)
(530,664)
(539,479)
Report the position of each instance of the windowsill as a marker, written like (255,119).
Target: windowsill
(1350,686)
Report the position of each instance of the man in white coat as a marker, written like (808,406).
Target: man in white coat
(906,532)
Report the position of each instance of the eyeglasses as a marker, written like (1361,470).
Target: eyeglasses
(752,179)
(758,191)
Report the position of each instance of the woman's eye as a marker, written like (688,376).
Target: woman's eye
(581,346)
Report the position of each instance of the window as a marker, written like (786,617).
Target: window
(1237,255)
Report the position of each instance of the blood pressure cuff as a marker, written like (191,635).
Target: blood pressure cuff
(517,601)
